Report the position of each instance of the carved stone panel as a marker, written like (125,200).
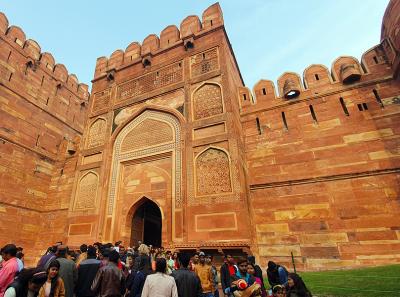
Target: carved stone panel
(151,81)
(97,133)
(101,100)
(207,101)
(86,191)
(213,173)
(148,133)
(204,62)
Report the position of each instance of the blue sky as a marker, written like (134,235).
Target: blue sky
(269,37)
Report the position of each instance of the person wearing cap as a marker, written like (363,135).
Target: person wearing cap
(27,284)
(68,271)
(203,271)
(9,266)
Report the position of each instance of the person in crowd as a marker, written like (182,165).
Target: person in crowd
(251,270)
(296,287)
(158,255)
(122,254)
(278,291)
(138,279)
(176,261)
(203,271)
(27,284)
(83,255)
(97,245)
(257,271)
(9,266)
(20,258)
(54,286)
(242,283)
(109,280)
(228,269)
(129,263)
(67,271)
(116,245)
(160,284)
(187,282)
(170,262)
(277,274)
(214,272)
(103,256)
(195,261)
(87,271)
(143,250)
(47,257)
(162,251)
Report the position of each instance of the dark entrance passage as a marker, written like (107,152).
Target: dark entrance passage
(147,225)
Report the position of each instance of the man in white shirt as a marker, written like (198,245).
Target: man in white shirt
(160,284)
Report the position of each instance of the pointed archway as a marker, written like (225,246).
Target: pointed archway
(146,224)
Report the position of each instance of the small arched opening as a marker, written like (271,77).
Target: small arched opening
(146,224)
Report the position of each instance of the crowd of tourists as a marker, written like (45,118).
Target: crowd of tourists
(107,270)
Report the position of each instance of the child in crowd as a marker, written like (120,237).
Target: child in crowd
(278,291)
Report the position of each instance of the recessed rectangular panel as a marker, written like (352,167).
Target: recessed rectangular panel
(222,221)
(80,229)
(209,131)
(92,158)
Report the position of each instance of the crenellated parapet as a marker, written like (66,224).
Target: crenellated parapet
(35,76)
(31,51)
(317,79)
(190,28)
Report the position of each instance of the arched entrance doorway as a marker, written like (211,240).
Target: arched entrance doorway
(147,224)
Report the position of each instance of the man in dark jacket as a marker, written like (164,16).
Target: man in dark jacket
(277,274)
(187,282)
(87,271)
(109,280)
(67,271)
(228,269)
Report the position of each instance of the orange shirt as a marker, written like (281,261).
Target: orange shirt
(205,274)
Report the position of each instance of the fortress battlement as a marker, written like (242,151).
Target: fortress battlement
(317,80)
(190,28)
(31,57)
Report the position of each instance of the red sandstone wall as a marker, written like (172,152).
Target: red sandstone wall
(326,187)
(391,31)
(42,111)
